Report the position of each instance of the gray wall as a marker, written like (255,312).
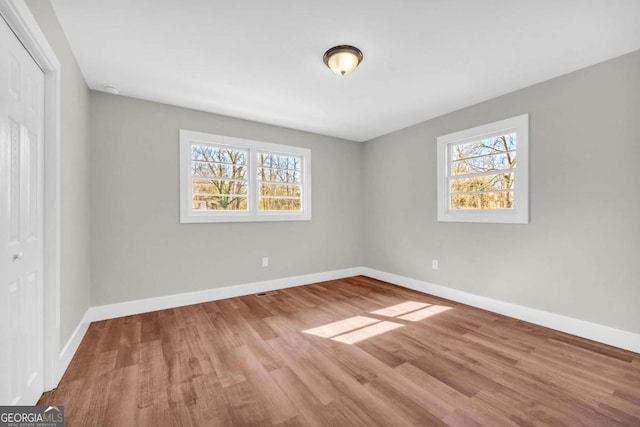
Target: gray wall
(579,256)
(140,250)
(74,176)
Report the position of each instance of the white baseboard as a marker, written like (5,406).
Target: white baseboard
(593,331)
(70,348)
(111,311)
(604,334)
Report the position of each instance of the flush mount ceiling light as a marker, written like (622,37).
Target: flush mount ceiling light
(112,90)
(342,59)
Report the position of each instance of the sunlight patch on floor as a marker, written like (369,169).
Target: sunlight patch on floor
(336,328)
(418,315)
(411,310)
(399,309)
(365,333)
(359,328)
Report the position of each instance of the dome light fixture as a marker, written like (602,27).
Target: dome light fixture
(343,59)
(111,89)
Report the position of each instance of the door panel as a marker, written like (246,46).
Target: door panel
(21,223)
(14,182)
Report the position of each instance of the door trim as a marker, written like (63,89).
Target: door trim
(24,25)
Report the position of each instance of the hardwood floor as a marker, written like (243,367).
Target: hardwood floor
(348,352)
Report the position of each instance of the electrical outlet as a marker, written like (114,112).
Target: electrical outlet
(434,264)
(265,261)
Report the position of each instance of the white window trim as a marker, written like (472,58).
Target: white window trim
(520,212)
(188,215)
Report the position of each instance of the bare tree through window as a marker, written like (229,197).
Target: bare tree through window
(228,179)
(219,178)
(280,182)
(482,173)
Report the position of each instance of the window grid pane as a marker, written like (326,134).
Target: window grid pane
(486,200)
(279,204)
(219,203)
(229,164)
(473,181)
(503,181)
(279,182)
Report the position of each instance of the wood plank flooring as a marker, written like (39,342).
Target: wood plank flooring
(350,352)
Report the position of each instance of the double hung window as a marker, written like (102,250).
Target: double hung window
(225,179)
(483,173)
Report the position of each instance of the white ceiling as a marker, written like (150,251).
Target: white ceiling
(262,60)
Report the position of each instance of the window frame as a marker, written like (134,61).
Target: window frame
(252,214)
(519,214)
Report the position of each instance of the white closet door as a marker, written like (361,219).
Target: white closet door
(21,223)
